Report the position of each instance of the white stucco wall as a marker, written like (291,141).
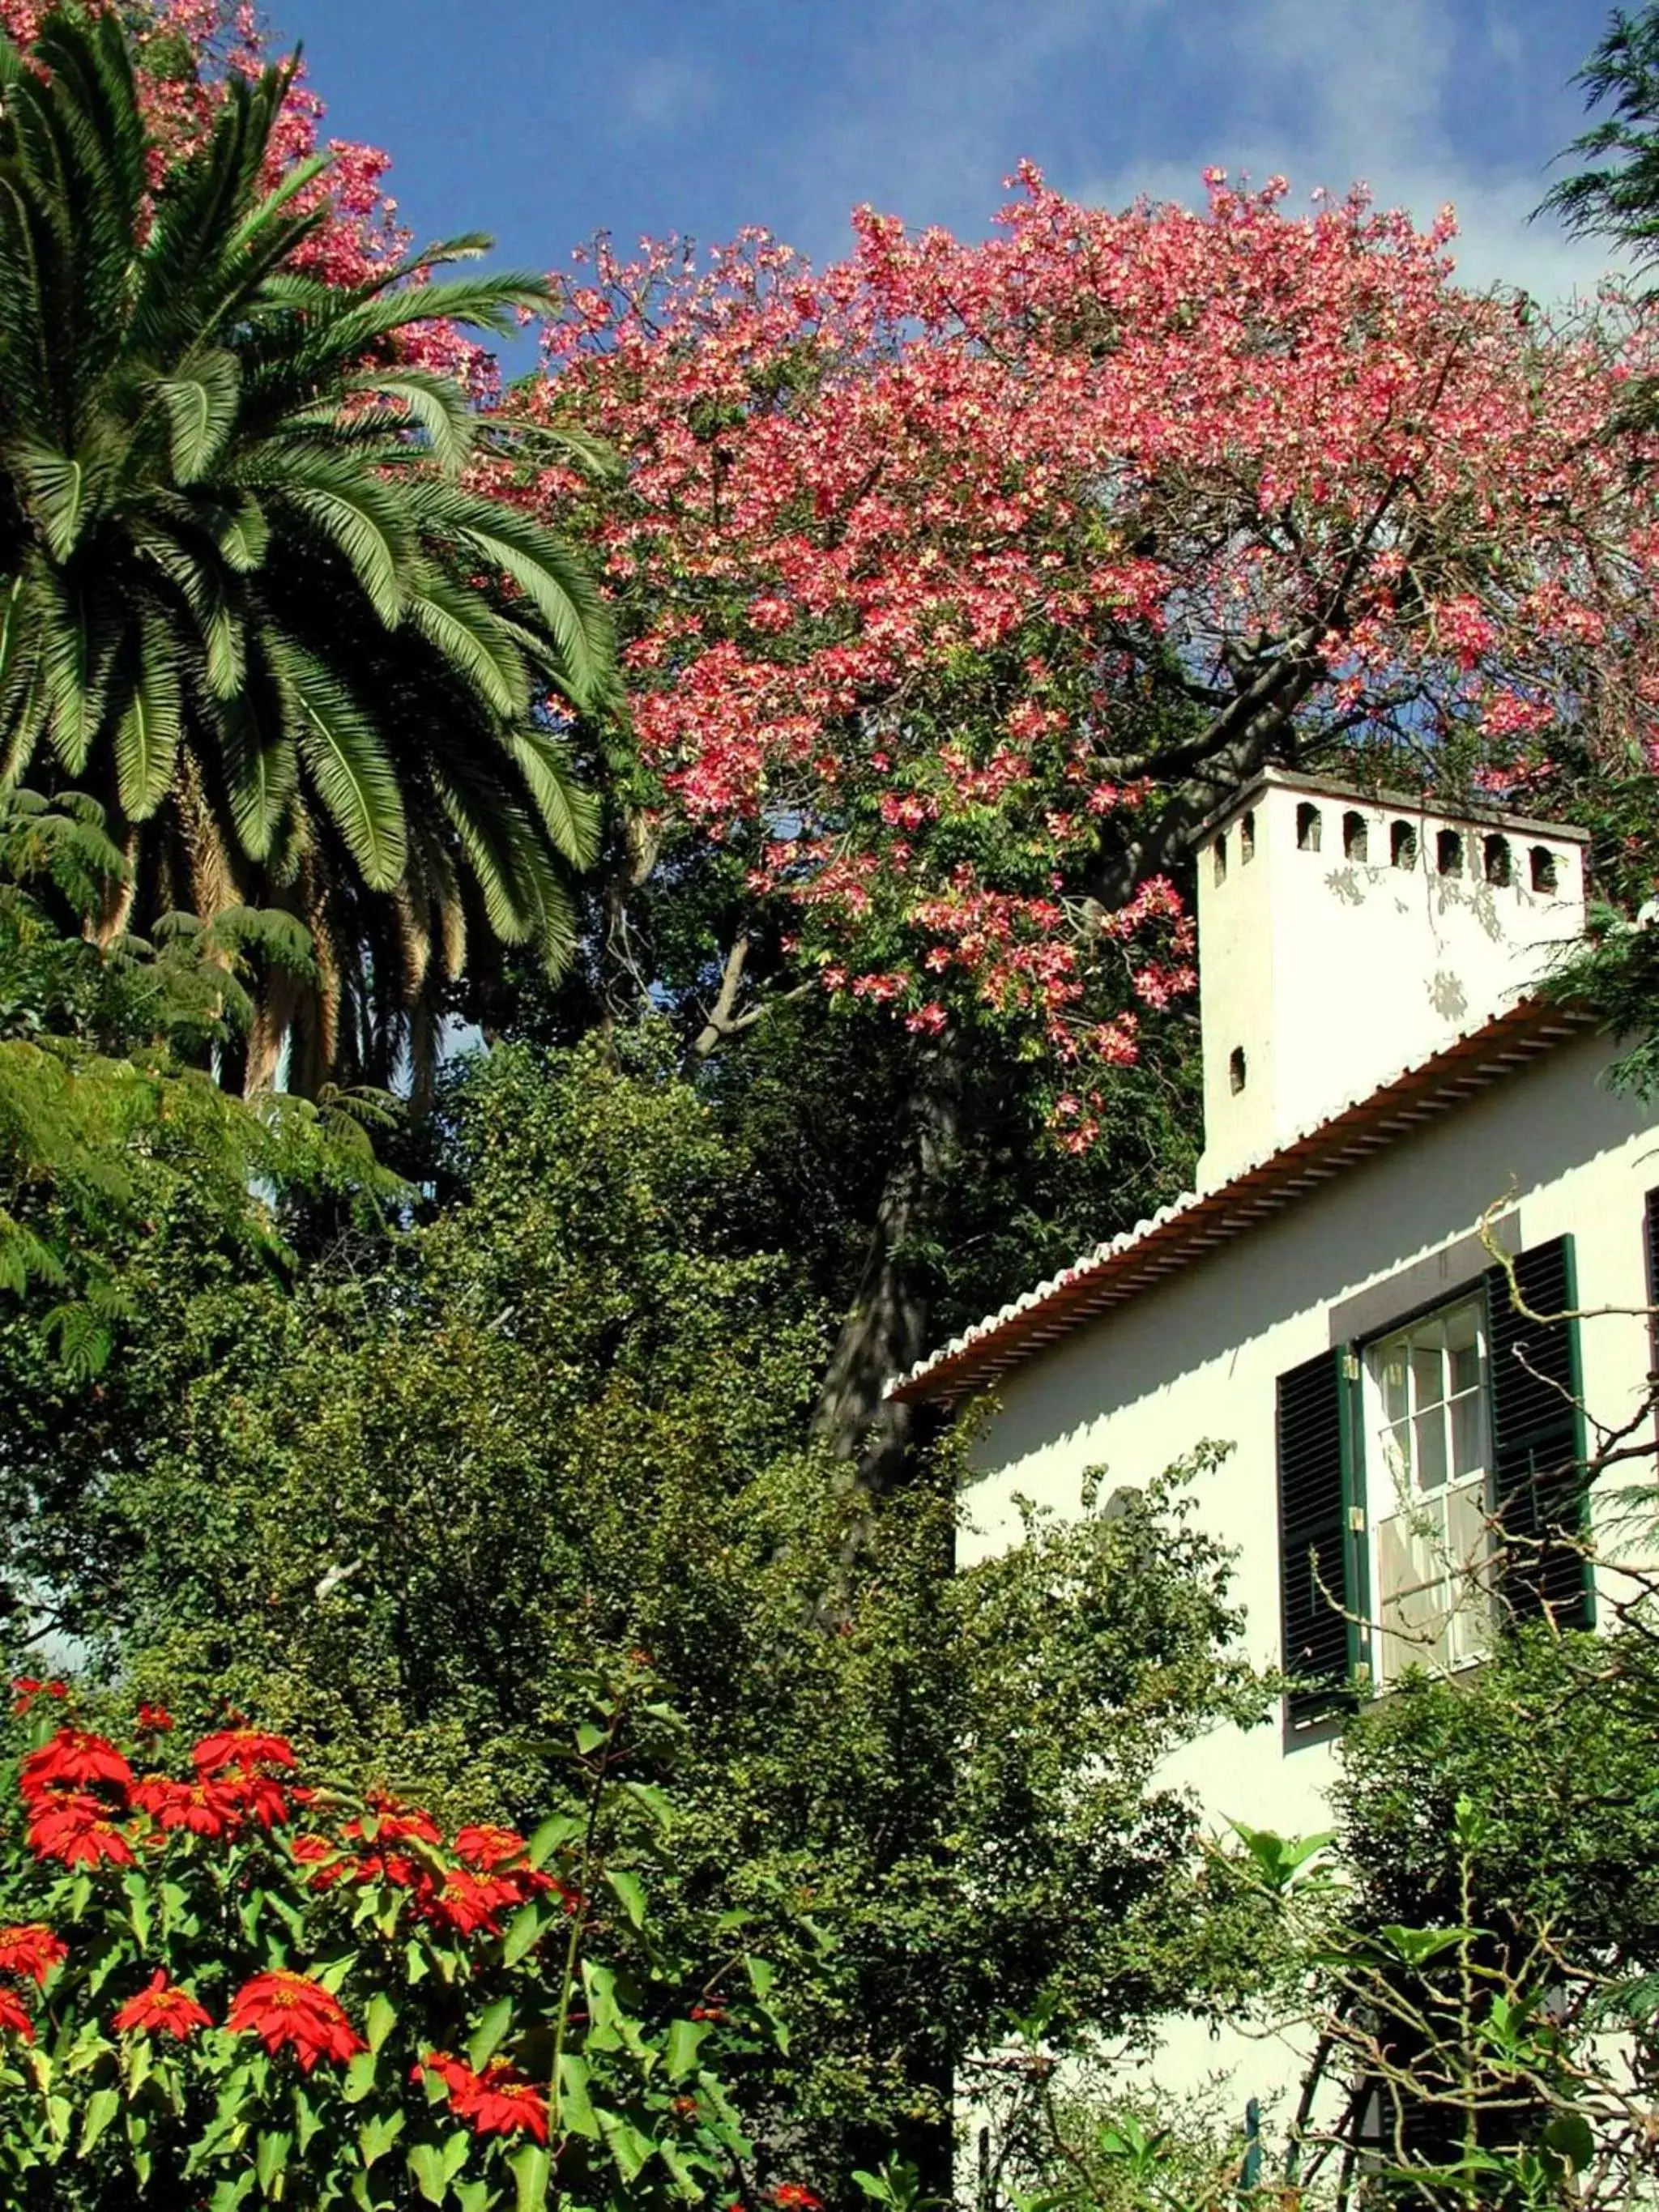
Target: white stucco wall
(1331,974)
(1198,1357)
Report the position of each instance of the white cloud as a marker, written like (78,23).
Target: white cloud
(1365,93)
(939,102)
(664,92)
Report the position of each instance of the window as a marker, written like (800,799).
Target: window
(1221,858)
(1307,828)
(1236,1069)
(1402,845)
(1543,869)
(1353,837)
(1449,853)
(1431,1485)
(1428,1484)
(1247,840)
(1497,861)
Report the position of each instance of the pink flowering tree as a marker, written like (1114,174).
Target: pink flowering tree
(960,581)
(222,1985)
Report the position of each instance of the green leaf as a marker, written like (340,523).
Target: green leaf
(487,2036)
(243,535)
(102,2106)
(380,2020)
(631,2150)
(657,1804)
(532,2169)
(146,742)
(202,403)
(762,1975)
(136,1891)
(1569,2135)
(307,2118)
(56,484)
(524,1931)
(562,1828)
(454,2153)
(438,405)
(359,2076)
(1417,1946)
(576,2114)
(348,763)
(589,1736)
(630,1891)
(270,2159)
(1278,1859)
(427,2168)
(376,2137)
(685,2039)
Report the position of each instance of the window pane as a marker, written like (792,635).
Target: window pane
(1426,1458)
(1428,1384)
(1397,1450)
(1468,1435)
(1393,1380)
(1430,1449)
(1468,1534)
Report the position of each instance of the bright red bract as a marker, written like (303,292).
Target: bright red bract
(290,2011)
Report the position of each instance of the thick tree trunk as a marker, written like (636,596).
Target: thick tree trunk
(1164,841)
(886,1328)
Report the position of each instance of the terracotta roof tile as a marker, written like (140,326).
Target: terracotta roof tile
(1196,1223)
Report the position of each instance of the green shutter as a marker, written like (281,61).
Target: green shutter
(1538,1438)
(1317,1553)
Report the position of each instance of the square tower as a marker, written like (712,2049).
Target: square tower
(1344,935)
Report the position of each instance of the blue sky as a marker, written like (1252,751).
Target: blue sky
(541,120)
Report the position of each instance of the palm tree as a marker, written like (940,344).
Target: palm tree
(247,599)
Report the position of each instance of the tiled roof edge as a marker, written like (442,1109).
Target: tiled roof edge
(1199,1220)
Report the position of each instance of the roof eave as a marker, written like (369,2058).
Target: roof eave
(1196,1226)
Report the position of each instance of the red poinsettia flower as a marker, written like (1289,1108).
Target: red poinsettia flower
(499,2101)
(282,2007)
(75,1760)
(155,1720)
(385,1866)
(251,1749)
(200,1808)
(13,2020)
(259,1796)
(162,2008)
(75,1827)
(26,1688)
(487,1848)
(392,1822)
(467,1903)
(796,2196)
(31,1952)
(454,2073)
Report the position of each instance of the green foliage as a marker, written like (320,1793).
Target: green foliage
(400,1511)
(1619,198)
(245,598)
(1551,1740)
(106,1103)
(1456,2065)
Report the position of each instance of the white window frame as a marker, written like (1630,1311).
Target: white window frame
(1430,1541)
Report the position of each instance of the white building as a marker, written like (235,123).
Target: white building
(1378,1084)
